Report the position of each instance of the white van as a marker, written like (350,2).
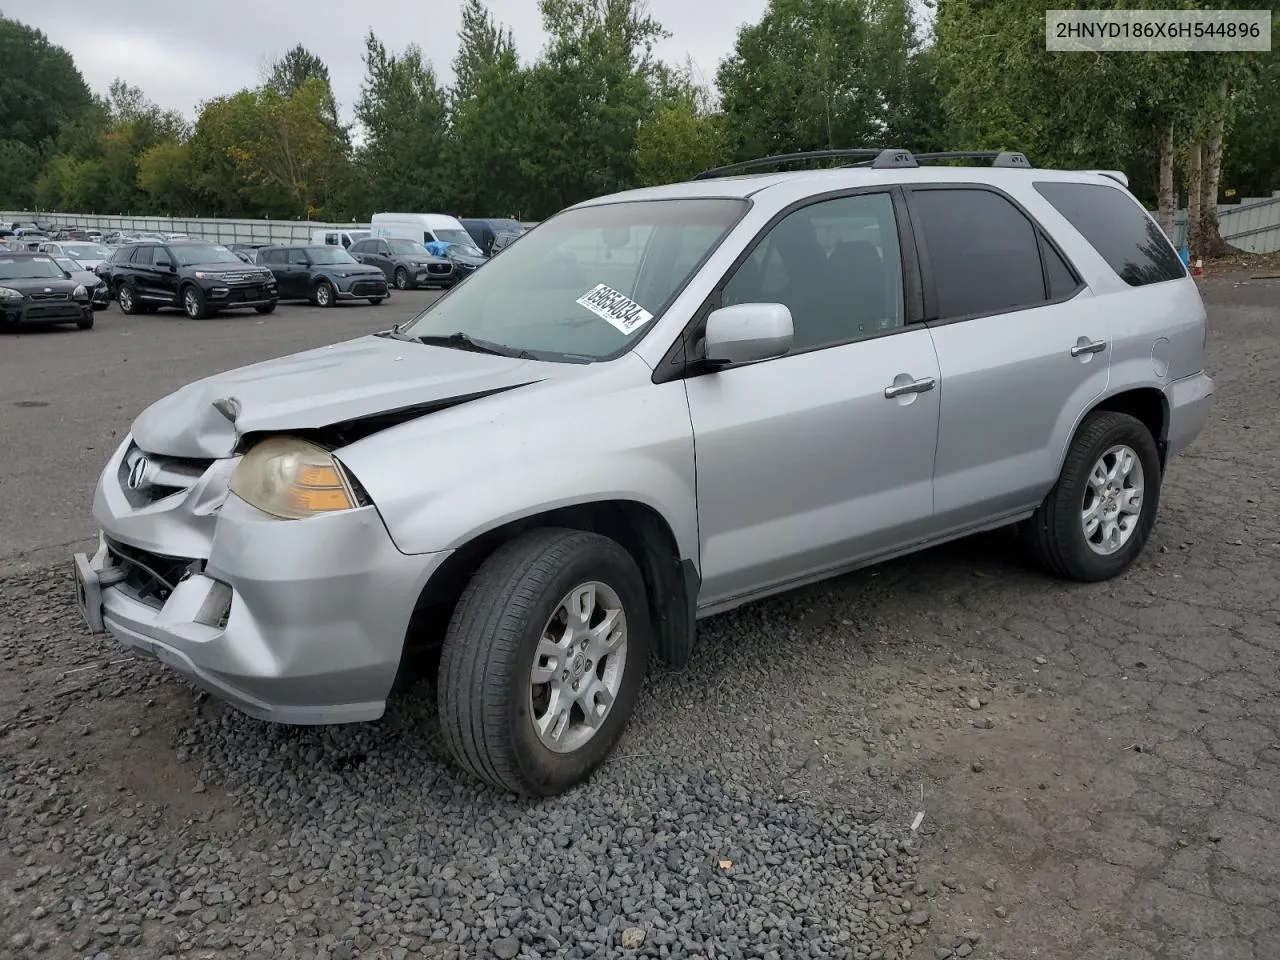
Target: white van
(421,227)
(338,236)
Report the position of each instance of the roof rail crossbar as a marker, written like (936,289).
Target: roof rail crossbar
(783,158)
(998,158)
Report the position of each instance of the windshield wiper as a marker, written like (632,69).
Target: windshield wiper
(395,334)
(461,341)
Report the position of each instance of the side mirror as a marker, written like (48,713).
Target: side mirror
(163,265)
(66,274)
(746,332)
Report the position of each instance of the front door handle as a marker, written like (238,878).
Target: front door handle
(923,385)
(1083,347)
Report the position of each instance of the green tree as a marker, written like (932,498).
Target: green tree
(41,91)
(817,74)
(403,115)
(290,72)
(482,44)
(679,141)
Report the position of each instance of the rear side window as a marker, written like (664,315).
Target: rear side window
(1124,235)
(144,255)
(983,252)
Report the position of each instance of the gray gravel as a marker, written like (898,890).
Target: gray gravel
(361,841)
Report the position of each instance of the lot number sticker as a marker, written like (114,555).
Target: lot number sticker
(619,310)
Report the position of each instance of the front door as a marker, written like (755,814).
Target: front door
(1024,352)
(823,457)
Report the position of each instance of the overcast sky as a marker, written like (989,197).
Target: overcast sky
(181,52)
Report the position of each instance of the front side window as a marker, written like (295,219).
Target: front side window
(587,284)
(835,264)
(984,254)
(1122,232)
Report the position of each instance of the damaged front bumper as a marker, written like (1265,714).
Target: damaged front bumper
(292,621)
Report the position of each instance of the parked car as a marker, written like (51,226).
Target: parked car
(485,231)
(248,252)
(504,240)
(88,255)
(867,360)
(36,292)
(99,292)
(335,237)
(27,240)
(466,258)
(198,278)
(405,263)
(322,274)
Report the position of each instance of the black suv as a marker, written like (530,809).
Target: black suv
(199,278)
(322,274)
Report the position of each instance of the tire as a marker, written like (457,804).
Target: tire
(266,307)
(402,278)
(85,324)
(488,703)
(127,297)
(1056,535)
(192,301)
(375,300)
(323,295)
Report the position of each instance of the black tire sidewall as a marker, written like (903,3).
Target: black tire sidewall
(323,290)
(401,278)
(1133,434)
(199,299)
(132,295)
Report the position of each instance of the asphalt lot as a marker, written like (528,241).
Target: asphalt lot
(1098,767)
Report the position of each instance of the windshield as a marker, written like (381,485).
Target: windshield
(407,248)
(68,265)
(460,240)
(189,254)
(86,251)
(357,234)
(586,284)
(329,255)
(30,268)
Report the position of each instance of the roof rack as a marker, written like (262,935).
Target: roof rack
(873,153)
(889,158)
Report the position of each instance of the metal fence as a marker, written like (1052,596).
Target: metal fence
(220,231)
(1253,225)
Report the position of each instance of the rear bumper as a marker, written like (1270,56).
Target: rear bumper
(1190,401)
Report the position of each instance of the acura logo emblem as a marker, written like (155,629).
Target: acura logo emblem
(138,473)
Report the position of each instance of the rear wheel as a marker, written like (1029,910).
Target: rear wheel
(543,661)
(323,294)
(193,304)
(1098,516)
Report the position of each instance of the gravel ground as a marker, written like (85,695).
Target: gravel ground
(1098,767)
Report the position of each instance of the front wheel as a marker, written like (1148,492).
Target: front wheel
(84,323)
(266,307)
(323,294)
(402,278)
(543,660)
(375,300)
(1098,516)
(193,303)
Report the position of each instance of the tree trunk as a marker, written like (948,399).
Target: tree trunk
(1211,241)
(1166,182)
(1195,192)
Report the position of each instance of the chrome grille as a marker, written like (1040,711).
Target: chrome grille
(251,276)
(159,477)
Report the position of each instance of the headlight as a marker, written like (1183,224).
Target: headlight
(8,293)
(80,293)
(291,479)
(206,275)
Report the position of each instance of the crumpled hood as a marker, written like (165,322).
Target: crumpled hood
(317,388)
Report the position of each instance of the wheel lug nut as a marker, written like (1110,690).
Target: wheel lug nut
(588,665)
(575,685)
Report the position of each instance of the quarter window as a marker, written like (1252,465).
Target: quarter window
(983,252)
(1122,232)
(835,264)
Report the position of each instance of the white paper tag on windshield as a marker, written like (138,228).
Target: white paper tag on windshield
(619,310)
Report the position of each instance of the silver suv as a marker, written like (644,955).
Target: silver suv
(655,407)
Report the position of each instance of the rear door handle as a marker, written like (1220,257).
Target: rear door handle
(923,385)
(1096,346)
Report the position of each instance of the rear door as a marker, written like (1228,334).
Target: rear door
(1022,349)
(823,457)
